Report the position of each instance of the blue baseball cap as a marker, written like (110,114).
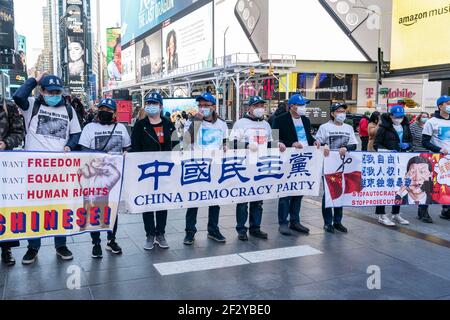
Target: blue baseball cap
(255,100)
(442,100)
(206,96)
(298,99)
(397,111)
(109,103)
(51,83)
(338,105)
(154,97)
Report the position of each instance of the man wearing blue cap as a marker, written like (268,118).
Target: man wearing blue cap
(51,125)
(294,131)
(154,133)
(393,134)
(252,132)
(436,136)
(205,131)
(105,135)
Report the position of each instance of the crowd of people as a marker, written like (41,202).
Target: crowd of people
(154,132)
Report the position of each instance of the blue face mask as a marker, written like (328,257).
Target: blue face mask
(206,112)
(447,109)
(52,101)
(152,109)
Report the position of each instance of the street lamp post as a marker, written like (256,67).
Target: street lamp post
(224,105)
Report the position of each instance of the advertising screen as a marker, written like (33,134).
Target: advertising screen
(140,16)
(318,112)
(129,64)
(419,28)
(189,40)
(177,106)
(148,57)
(6,26)
(114,54)
(76,46)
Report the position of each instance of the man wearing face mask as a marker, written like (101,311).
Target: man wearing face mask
(436,136)
(394,134)
(337,136)
(154,133)
(51,125)
(205,131)
(105,135)
(254,133)
(294,130)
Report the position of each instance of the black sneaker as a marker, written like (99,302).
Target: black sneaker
(243,236)
(97,252)
(30,257)
(340,227)
(445,214)
(113,247)
(64,253)
(189,239)
(299,228)
(7,257)
(217,237)
(259,234)
(424,216)
(329,228)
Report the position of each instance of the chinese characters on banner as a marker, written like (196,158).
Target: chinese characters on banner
(174,180)
(385,179)
(53,194)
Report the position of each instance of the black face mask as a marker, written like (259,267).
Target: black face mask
(105,117)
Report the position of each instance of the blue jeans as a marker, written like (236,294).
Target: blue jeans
(289,206)
(242,214)
(152,229)
(111,235)
(327,214)
(213,219)
(36,243)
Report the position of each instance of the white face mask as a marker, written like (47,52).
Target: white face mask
(341,117)
(397,122)
(259,113)
(301,110)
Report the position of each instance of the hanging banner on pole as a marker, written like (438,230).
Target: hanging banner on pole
(176,180)
(384,179)
(54,194)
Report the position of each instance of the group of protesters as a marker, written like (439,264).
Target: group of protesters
(52,124)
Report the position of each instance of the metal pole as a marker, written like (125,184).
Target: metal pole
(224,71)
(377,97)
(238,97)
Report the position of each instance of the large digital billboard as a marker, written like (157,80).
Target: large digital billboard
(129,64)
(140,16)
(114,54)
(76,46)
(189,40)
(148,57)
(420,34)
(6,25)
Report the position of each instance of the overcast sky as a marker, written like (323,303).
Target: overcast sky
(28,20)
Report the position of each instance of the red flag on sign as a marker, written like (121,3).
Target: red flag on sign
(353,182)
(334,183)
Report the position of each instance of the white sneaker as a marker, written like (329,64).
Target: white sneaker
(397,218)
(384,220)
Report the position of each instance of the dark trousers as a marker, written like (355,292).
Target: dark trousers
(364,143)
(111,235)
(327,214)
(213,219)
(382,210)
(153,229)
(35,244)
(289,206)
(242,214)
(9,245)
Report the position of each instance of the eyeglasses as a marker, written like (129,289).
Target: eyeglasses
(202,105)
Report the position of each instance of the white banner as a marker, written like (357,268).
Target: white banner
(175,180)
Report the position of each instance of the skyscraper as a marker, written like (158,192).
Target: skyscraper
(47,56)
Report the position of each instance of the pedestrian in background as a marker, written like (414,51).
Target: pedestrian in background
(374,121)
(364,131)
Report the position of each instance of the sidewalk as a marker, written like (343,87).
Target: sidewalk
(411,268)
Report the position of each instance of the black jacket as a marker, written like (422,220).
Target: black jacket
(276,114)
(387,137)
(426,139)
(144,139)
(286,129)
